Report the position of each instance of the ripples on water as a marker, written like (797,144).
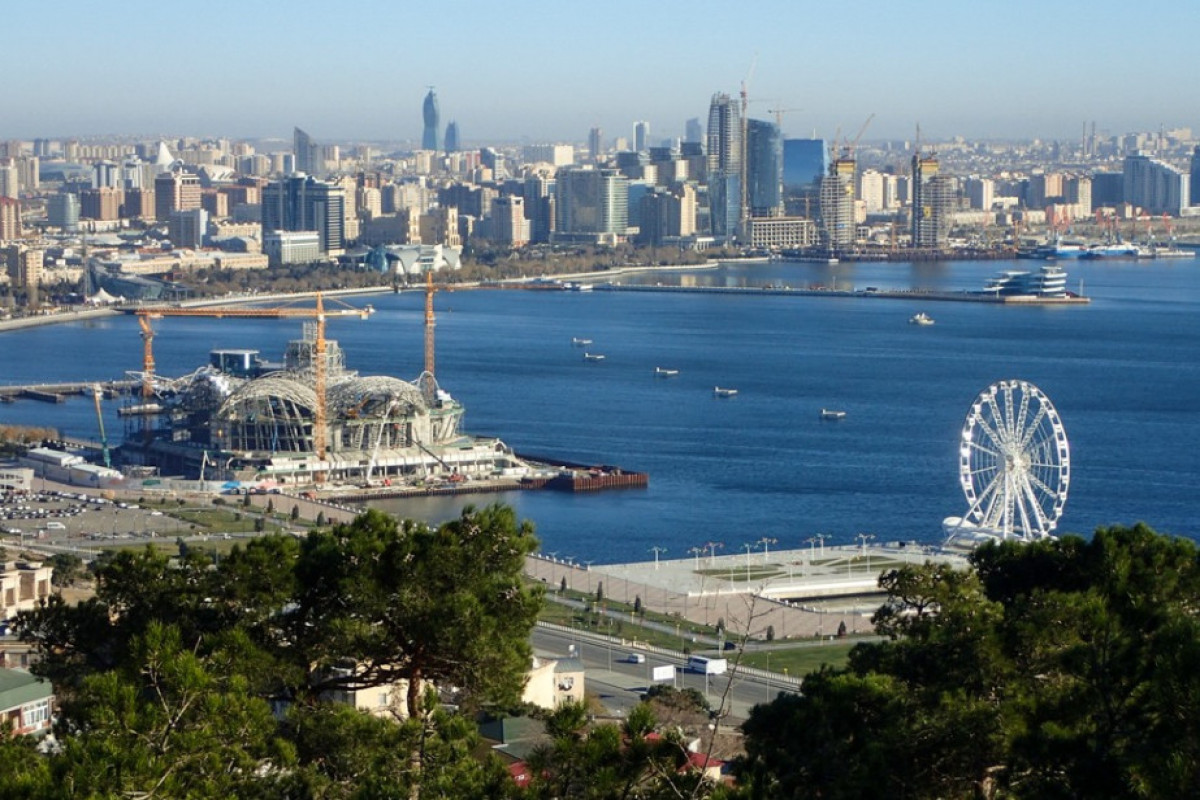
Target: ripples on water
(1121,372)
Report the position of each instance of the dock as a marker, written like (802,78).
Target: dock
(924,295)
(58,392)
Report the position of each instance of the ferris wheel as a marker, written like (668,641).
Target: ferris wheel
(1014,465)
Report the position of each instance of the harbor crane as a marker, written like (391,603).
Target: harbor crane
(97,393)
(319,313)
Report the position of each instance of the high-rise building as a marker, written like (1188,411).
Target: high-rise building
(139,203)
(10,219)
(103,203)
(306,152)
(508,221)
(558,155)
(62,211)
(452,145)
(641,136)
(805,163)
(10,180)
(25,269)
(175,191)
(932,203)
(539,207)
(1194,188)
(591,204)
(595,145)
(724,164)
(303,203)
(188,228)
(431,137)
(693,131)
(837,204)
(981,193)
(1155,186)
(764,168)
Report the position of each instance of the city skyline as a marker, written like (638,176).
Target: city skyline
(1013,70)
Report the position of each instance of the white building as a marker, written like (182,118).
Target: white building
(1155,186)
(292,247)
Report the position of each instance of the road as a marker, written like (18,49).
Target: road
(619,682)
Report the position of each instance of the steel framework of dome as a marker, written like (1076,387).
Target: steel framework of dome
(269,414)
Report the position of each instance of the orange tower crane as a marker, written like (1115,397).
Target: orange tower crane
(319,313)
(429,323)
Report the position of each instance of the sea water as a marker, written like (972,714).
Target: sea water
(1121,371)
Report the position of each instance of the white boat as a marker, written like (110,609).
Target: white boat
(575,340)
(593,357)
(719,392)
(920,318)
(829,415)
(665,373)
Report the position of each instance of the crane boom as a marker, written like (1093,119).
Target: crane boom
(97,392)
(319,313)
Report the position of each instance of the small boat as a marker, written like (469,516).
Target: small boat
(829,415)
(920,318)
(719,392)
(665,373)
(593,357)
(575,340)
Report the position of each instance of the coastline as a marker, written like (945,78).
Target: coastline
(76,314)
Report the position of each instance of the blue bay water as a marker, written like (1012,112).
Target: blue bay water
(1122,373)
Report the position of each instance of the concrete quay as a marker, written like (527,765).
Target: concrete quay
(802,593)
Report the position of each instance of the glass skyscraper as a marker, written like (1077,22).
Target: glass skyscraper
(724,164)
(805,162)
(431,139)
(764,168)
(452,145)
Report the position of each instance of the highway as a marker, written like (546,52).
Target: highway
(619,682)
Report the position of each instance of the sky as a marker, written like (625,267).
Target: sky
(540,71)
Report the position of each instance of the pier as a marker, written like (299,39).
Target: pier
(57,392)
(924,295)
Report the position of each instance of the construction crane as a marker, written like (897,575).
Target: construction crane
(779,112)
(319,313)
(97,393)
(854,143)
(744,211)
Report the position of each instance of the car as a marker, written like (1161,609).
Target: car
(635,658)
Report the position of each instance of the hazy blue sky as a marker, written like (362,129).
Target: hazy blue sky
(545,71)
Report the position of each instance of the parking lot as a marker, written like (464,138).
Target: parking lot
(63,516)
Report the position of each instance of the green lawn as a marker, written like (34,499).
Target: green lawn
(801,659)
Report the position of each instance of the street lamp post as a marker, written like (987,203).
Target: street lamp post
(766,542)
(864,538)
(657,550)
(749,546)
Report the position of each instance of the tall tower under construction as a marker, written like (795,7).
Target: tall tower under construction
(836,203)
(931,203)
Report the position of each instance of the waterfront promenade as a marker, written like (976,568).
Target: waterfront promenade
(797,593)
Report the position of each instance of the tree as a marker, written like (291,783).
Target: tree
(168,726)
(562,585)
(1060,668)
(67,568)
(413,603)
(295,513)
(600,591)
(637,604)
(320,519)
